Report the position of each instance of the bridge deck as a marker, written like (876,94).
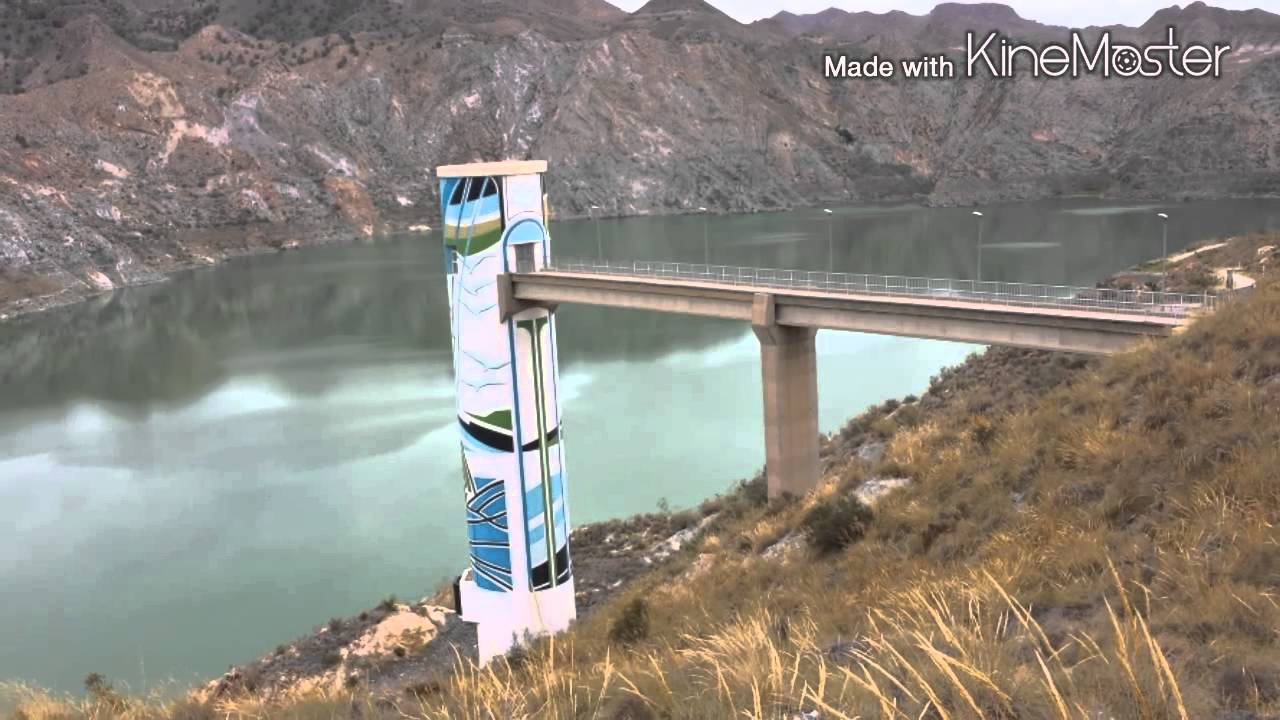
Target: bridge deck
(1038,295)
(1159,319)
(1040,316)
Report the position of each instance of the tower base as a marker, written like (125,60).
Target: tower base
(504,619)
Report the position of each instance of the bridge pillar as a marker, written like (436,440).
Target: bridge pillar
(789,365)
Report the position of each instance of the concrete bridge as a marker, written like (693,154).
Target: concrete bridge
(787,307)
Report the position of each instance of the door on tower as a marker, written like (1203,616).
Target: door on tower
(524,258)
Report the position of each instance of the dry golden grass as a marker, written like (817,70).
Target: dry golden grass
(1108,549)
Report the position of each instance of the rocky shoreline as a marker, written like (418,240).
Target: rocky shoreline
(24,292)
(399,649)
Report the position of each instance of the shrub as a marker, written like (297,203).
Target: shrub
(755,491)
(389,605)
(335,625)
(776,506)
(96,683)
(711,506)
(908,416)
(883,428)
(746,496)
(835,524)
(518,656)
(423,689)
(891,469)
(103,693)
(982,431)
(682,520)
(632,624)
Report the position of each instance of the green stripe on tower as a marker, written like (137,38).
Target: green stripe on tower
(534,327)
(480,239)
(497,418)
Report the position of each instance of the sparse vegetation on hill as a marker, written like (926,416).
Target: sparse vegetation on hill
(1077,540)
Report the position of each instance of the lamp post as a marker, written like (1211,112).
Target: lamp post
(979,216)
(599,244)
(1164,251)
(706,244)
(831,255)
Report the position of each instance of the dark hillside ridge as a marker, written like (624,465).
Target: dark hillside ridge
(140,136)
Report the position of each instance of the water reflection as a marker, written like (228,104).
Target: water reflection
(303,319)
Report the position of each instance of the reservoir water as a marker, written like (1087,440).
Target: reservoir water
(195,471)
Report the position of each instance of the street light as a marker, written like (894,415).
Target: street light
(979,216)
(599,244)
(706,244)
(1164,251)
(831,256)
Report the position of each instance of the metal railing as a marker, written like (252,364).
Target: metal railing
(1132,302)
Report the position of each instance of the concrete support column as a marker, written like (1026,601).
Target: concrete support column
(789,364)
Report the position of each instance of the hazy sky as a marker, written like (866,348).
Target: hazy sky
(1079,13)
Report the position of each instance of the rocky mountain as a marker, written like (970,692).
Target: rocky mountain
(139,136)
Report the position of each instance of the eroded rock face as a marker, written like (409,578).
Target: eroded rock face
(135,126)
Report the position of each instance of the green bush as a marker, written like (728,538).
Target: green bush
(835,524)
(632,624)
